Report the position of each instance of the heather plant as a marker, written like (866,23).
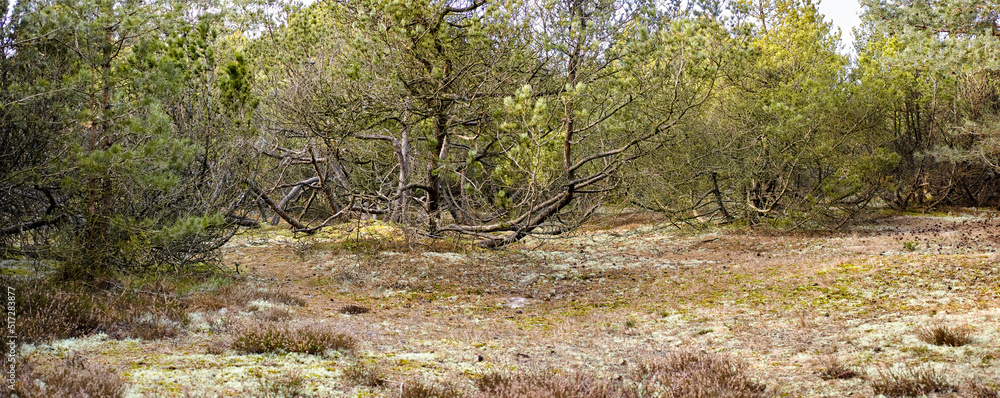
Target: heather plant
(690,374)
(72,377)
(52,310)
(271,337)
(418,389)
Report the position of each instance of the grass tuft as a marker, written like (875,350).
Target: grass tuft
(264,337)
(910,383)
(835,370)
(946,336)
(352,309)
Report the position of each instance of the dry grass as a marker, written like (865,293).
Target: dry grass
(273,314)
(416,389)
(364,374)
(352,309)
(49,310)
(976,390)
(696,375)
(71,378)
(315,338)
(289,385)
(910,383)
(549,385)
(680,374)
(946,335)
(238,295)
(835,370)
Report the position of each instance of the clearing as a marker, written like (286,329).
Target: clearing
(804,311)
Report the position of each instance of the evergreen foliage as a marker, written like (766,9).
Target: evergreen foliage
(138,135)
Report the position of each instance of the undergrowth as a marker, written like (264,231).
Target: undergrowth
(72,377)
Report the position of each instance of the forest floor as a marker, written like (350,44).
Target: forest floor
(793,307)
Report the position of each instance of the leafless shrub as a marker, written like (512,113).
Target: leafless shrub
(690,374)
(364,374)
(834,369)
(73,377)
(910,383)
(354,309)
(261,337)
(945,335)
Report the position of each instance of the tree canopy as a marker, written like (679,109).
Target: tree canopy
(138,135)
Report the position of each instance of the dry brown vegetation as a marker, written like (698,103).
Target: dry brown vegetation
(73,377)
(612,311)
(951,336)
(912,382)
(49,310)
(834,369)
(262,337)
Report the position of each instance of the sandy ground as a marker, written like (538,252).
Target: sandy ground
(600,301)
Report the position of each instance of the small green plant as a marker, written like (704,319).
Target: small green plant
(946,335)
(262,337)
(910,383)
(630,323)
(909,245)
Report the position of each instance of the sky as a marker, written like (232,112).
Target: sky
(845,15)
